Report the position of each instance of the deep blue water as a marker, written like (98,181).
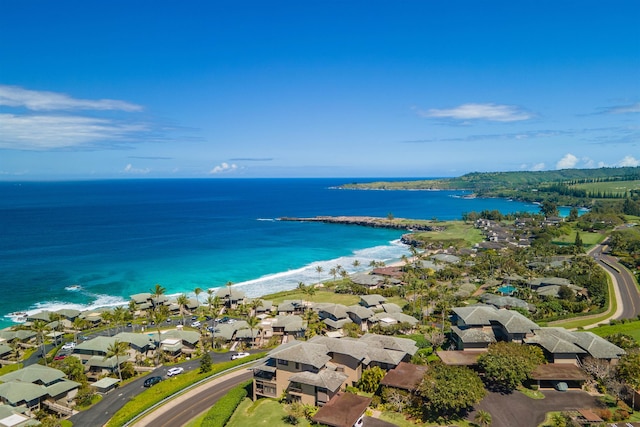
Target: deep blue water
(117,238)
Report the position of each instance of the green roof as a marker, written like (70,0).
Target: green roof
(16,392)
(33,374)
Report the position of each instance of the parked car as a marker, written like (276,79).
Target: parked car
(239,355)
(60,357)
(175,371)
(152,381)
(69,346)
(196,324)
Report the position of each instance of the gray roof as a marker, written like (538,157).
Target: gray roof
(547,281)
(373,299)
(141,298)
(339,311)
(227,292)
(331,380)
(560,340)
(139,340)
(392,343)
(482,315)
(307,353)
(62,387)
(188,336)
(98,344)
(20,334)
(398,317)
(384,355)
(503,301)
(336,324)
(4,349)
(290,305)
(356,349)
(101,362)
(360,311)
(391,308)
(473,335)
(366,279)
(451,259)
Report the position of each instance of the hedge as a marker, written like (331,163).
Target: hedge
(221,411)
(164,389)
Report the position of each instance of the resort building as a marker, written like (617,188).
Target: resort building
(314,371)
(36,386)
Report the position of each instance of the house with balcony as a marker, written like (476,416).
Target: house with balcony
(314,371)
(36,386)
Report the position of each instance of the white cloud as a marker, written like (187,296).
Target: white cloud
(629,161)
(131,170)
(51,132)
(490,112)
(567,162)
(537,167)
(623,109)
(223,168)
(14,96)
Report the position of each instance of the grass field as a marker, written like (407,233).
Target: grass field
(615,187)
(629,328)
(263,412)
(454,231)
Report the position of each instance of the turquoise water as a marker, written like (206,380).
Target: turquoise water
(117,238)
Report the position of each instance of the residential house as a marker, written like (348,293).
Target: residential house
(36,385)
(405,376)
(360,316)
(12,416)
(231,298)
(373,301)
(288,307)
(335,316)
(343,410)
(314,371)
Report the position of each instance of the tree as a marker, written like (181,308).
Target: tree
(183,302)
(117,349)
(197,291)
(573,214)
(507,364)
(158,291)
(483,418)
(629,370)
(40,327)
(370,379)
(578,243)
(72,367)
(549,208)
(253,322)
(205,363)
(447,391)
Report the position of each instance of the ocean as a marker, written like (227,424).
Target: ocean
(88,244)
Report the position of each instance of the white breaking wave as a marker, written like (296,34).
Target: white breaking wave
(287,280)
(99,302)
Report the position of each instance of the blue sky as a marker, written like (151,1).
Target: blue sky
(123,89)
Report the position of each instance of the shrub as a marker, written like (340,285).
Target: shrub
(222,410)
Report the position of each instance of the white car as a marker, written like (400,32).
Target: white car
(174,371)
(69,346)
(239,356)
(196,324)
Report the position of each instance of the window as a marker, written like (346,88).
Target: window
(297,366)
(283,362)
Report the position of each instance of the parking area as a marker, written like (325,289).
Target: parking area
(516,409)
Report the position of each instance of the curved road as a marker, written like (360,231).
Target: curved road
(183,409)
(626,284)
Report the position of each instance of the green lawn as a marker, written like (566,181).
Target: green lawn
(320,296)
(579,322)
(615,187)
(629,328)
(455,231)
(263,412)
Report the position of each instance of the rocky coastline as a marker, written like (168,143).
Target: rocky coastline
(370,221)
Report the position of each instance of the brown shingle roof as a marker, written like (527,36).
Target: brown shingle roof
(405,376)
(343,410)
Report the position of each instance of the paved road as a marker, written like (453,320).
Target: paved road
(516,409)
(629,295)
(182,410)
(100,413)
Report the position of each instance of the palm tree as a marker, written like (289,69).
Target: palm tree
(252,322)
(57,318)
(334,273)
(319,270)
(39,327)
(255,305)
(118,316)
(356,263)
(229,284)
(158,291)
(79,324)
(117,349)
(309,291)
(197,291)
(483,418)
(183,302)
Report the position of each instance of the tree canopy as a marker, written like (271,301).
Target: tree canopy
(448,391)
(507,364)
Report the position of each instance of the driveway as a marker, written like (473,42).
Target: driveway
(516,409)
